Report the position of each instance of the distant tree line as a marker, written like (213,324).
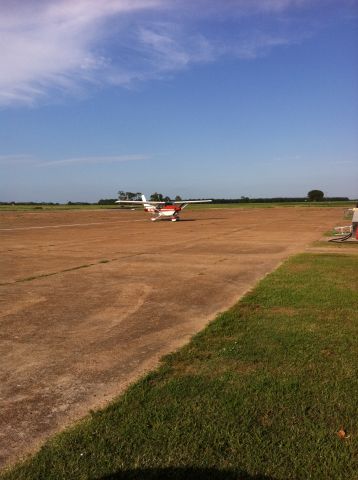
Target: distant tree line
(30,203)
(107,201)
(276,199)
(312,196)
(155,197)
(159,197)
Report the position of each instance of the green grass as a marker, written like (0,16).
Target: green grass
(326,244)
(259,394)
(349,204)
(46,208)
(40,208)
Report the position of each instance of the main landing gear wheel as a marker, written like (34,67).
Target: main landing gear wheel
(175,219)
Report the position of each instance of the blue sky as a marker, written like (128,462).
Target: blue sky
(200,99)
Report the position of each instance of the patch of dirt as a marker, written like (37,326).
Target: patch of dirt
(287,311)
(70,342)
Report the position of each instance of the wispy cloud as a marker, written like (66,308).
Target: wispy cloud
(16,159)
(53,45)
(92,160)
(69,46)
(26,159)
(344,162)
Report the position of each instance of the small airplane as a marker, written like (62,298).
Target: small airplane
(163,210)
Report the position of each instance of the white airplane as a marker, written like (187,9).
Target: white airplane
(163,210)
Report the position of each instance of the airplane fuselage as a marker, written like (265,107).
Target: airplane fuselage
(167,211)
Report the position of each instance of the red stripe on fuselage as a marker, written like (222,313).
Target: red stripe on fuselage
(170,207)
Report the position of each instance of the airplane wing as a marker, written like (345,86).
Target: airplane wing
(186,202)
(140,202)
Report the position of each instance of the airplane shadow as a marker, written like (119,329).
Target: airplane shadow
(200,219)
(176,473)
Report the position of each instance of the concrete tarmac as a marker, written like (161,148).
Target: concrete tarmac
(90,300)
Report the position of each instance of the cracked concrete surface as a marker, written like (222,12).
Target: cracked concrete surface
(73,338)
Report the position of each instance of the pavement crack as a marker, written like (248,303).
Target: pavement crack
(71,269)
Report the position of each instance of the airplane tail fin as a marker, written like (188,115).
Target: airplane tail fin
(147,206)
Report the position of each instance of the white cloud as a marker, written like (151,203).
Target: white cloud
(53,45)
(64,47)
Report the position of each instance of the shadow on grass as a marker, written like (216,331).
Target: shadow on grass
(177,473)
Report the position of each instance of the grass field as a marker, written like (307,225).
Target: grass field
(261,393)
(39,208)
(45,207)
(349,204)
(337,245)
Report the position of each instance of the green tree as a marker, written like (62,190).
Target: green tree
(122,195)
(315,195)
(178,198)
(156,197)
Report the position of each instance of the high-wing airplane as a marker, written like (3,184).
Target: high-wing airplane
(163,210)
